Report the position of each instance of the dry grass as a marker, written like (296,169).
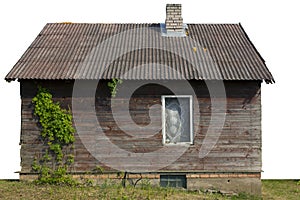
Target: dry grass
(281,190)
(23,190)
(276,190)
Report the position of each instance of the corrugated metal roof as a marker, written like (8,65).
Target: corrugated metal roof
(139,52)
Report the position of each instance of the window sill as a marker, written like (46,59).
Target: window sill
(179,144)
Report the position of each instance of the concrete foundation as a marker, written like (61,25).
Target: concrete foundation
(236,185)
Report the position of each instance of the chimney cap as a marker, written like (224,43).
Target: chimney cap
(173,4)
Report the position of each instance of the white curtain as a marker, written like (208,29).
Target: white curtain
(177,120)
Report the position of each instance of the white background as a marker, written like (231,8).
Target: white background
(273,27)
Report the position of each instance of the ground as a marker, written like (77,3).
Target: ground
(272,189)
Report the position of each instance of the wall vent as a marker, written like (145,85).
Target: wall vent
(173,181)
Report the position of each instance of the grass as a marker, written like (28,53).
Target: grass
(281,189)
(272,189)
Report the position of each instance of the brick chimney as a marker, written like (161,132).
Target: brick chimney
(174,21)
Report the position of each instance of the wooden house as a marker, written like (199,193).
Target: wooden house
(188,112)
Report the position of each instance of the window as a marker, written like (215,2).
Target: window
(173,181)
(177,119)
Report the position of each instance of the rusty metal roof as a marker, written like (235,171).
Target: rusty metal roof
(139,52)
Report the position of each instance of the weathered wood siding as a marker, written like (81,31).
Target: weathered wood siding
(238,148)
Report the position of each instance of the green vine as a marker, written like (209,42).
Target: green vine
(58,135)
(113,86)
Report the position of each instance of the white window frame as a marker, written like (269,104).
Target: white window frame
(163,97)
